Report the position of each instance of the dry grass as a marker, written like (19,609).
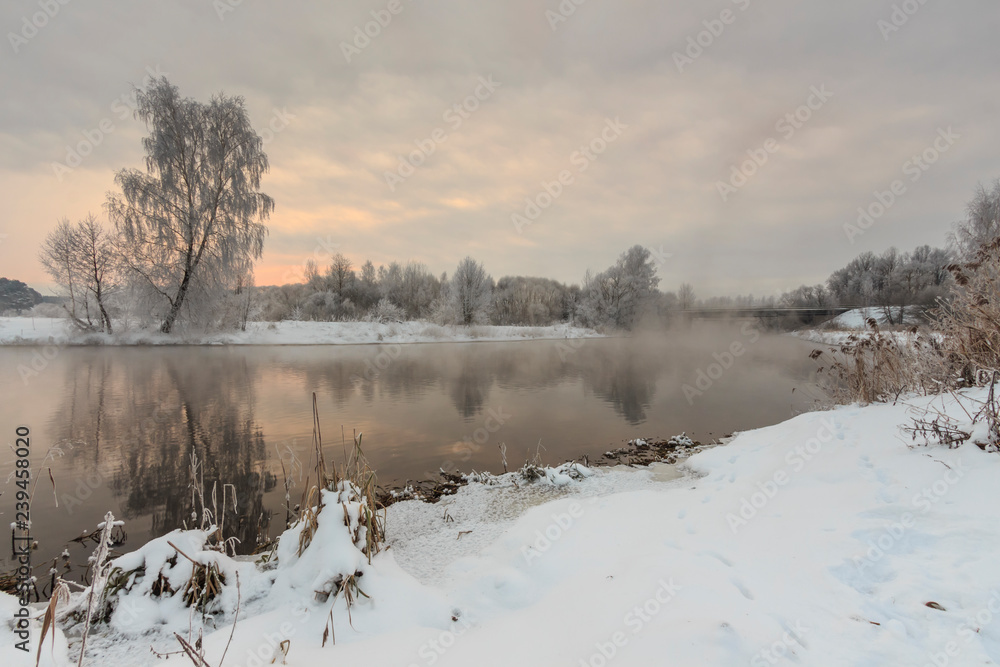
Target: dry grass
(875,366)
(355,486)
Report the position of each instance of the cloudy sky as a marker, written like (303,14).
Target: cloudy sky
(643,107)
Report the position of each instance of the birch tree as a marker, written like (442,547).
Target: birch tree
(195,215)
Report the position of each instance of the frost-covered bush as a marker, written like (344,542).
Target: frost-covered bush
(386,311)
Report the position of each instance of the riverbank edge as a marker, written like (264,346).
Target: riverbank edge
(51,332)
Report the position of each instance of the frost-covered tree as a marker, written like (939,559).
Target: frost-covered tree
(470,293)
(16,296)
(685,296)
(195,216)
(418,288)
(340,275)
(892,280)
(82,260)
(58,258)
(620,295)
(390,282)
(521,300)
(981,224)
(365,293)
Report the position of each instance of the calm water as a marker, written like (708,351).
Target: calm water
(117,425)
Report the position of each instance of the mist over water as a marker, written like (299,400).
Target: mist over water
(117,425)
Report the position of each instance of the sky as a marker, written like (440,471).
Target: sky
(736,139)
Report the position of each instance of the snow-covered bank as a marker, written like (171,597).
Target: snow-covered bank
(857,319)
(47,331)
(823,540)
(837,338)
(838,330)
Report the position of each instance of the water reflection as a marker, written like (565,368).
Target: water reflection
(134,422)
(124,422)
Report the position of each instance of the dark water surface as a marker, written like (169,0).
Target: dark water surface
(117,425)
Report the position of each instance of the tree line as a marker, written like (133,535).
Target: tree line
(185,233)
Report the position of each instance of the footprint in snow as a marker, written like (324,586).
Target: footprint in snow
(682,513)
(717,556)
(744,591)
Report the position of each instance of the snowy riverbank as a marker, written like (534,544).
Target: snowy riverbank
(825,540)
(48,331)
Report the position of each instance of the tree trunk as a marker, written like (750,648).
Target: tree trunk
(175,307)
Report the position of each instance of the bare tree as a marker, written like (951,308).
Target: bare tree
(196,215)
(81,259)
(97,261)
(58,258)
(685,296)
(340,274)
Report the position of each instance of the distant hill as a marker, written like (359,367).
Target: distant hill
(15,295)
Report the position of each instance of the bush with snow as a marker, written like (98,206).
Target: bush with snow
(385,311)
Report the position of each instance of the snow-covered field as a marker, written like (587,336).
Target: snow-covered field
(838,330)
(856,319)
(46,331)
(825,540)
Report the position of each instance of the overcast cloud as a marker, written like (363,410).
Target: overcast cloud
(878,98)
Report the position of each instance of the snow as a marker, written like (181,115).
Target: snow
(57,331)
(829,539)
(840,329)
(857,319)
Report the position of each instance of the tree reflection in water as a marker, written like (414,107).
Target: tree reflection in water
(135,419)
